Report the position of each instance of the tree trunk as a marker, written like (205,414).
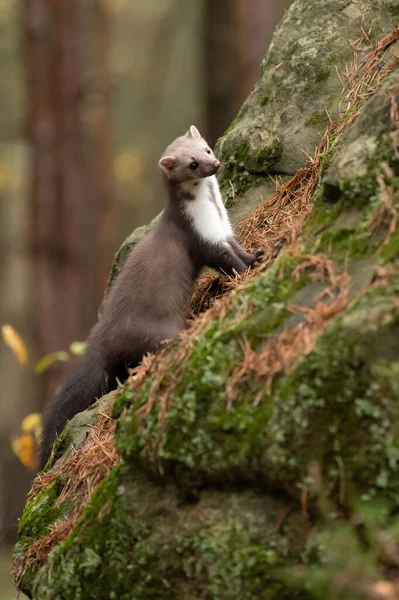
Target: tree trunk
(97,120)
(65,207)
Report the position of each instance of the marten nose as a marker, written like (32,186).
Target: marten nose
(217,164)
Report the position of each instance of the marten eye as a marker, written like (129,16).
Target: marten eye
(208,151)
(194,165)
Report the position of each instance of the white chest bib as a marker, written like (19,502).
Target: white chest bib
(211,222)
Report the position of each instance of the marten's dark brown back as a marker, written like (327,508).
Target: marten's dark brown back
(146,305)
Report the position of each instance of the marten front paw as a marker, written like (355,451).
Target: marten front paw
(259,254)
(257,257)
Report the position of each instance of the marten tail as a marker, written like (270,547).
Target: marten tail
(88,382)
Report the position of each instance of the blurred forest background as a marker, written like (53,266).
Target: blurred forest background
(91,92)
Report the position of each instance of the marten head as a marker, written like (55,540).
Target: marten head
(188,158)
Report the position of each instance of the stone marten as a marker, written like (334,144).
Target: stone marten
(147,302)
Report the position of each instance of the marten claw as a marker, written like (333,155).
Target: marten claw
(258,256)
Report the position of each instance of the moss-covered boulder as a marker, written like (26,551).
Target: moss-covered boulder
(299,89)
(221,547)
(257,456)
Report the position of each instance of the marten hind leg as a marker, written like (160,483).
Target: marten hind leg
(118,373)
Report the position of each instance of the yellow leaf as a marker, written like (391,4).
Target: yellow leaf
(14,341)
(25,449)
(77,348)
(46,362)
(32,424)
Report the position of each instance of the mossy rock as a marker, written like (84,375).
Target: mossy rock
(368,145)
(222,499)
(339,405)
(150,544)
(77,430)
(285,115)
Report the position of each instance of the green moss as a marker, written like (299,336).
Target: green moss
(332,546)
(80,569)
(316,119)
(104,496)
(263,65)
(329,230)
(267,157)
(236,179)
(359,192)
(344,197)
(391,250)
(322,75)
(363,190)
(41,512)
(61,445)
(264,100)
(329,154)
(241,182)
(323,217)
(242,171)
(240,154)
(124,398)
(347,242)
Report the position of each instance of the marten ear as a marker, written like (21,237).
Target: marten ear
(167,163)
(193,132)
